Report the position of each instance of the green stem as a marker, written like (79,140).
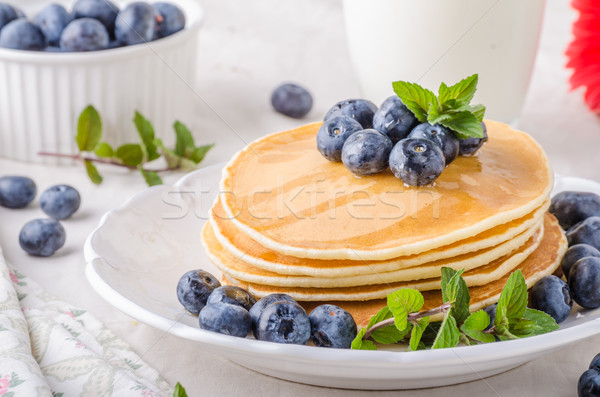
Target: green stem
(79,157)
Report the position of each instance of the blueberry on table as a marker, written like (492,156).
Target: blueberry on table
(170,19)
(283,322)
(232,295)
(584,282)
(552,296)
(263,302)
(595,363)
(292,100)
(135,24)
(194,288)
(225,319)
(332,326)
(85,34)
(42,237)
(394,119)
(52,20)
(360,110)
(575,253)
(589,383)
(20,34)
(16,191)
(470,145)
(333,134)
(586,232)
(439,135)
(104,11)
(60,201)
(366,152)
(572,207)
(418,162)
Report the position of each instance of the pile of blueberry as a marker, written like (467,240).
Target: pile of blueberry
(276,318)
(368,140)
(91,25)
(40,237)
(589,382)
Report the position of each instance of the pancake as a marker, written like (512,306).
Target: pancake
(503,238)
(242,271)
(313,208)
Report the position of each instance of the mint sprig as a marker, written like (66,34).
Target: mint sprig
(135,156)
(450,108)
(402,318)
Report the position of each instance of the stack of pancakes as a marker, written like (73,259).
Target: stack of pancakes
(289,221)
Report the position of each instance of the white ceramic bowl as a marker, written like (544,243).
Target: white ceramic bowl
(43,93)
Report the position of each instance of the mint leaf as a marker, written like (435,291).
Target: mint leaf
(104,150)
(179,391)
(185,140)
(513,299)
(146,132)
(416,98)
(403,302)
(448,334)
(417,332)
(89,129)
(359,344)
(151,177)
(388,334)
(454,289)
(475,324)
(544,323)
(130,154)
(199,153)
(92,172)
(462,92)
(464,124)
(478,111)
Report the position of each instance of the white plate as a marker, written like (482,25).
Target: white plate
(139,251)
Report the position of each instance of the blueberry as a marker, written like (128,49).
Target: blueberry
(586,232)
(225,319)
(135,24)
(584,282)
(60,201)
(366,152)
(169,19)
(284,322)
(194,288)
(573,207)
(52,49)
(16,191)
(360,110)
(52,21)
(552,296)
(468,147)
(439,135)
(21,34)
(491,311)
(7,14)
(263,302)
(575,253)
(42,237)
(332,326)
(232,295)
(102,10)
(19,12)
(589,384)
(292,100)
(332,135)
(394,119)
(418,162)
(85,34)
(595,363)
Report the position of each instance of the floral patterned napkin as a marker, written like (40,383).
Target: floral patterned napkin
(51,348)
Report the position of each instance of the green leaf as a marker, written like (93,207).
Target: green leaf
(185,140)
(179,391)
(462,91)
(478,111)
(454,289)
(403,302)
(464,124)
(388,334)
(417,332)
(359,344)
(146,132)
(513,299)
(104,150)
(199,153)
(89,129)
(475,324)
(416,98)
(93,173)
(542,322)
(130,154)
(151,177)
(448,334)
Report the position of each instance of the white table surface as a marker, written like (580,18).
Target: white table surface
(247,48)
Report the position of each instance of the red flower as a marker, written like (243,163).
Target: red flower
(584,51)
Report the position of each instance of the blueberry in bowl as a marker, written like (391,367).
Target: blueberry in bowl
(170,19)
(135,24)
(262,303)
(104,11)
(283,322)
(225,319)
(8,13)
(85,34)
(575,253)
(20,34)
(394,119)
(584,282)
(417,162)
(232,295)
(366,152)
(52,20)
(42,237)
(439,135)
(333,134)
(585,232)
(292,100)
(572,207)
(332,326)
(194,288)
(360,110)
(551,295)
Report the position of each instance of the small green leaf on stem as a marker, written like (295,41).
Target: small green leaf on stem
(462,92)
(179,391)
(513,298)
(104,150)
(146,132)
(185,140)
(130,154)
(93,173)
(474,325)
(151,177)
(89,129)
(403,302)
(417,332)
(388,334)
(359,344)
(416,98)
(199,153)
(448,334)
(454,289)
